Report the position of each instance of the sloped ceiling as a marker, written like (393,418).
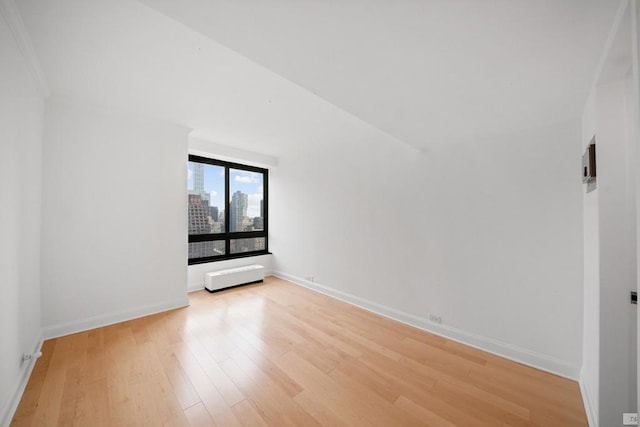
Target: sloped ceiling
(264,74)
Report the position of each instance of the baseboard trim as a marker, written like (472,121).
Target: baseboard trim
(509,351)
(592,419)
(195,287)
(12,404)
(82,325)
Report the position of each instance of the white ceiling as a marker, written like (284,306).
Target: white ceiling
(258,74)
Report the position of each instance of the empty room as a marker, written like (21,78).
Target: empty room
(301,213)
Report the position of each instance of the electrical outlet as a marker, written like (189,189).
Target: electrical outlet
(435,319)
(27,357)
(308,278)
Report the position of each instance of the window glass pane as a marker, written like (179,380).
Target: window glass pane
(206,198)
(246,204)
(247,245)
(206,249)
(217,209)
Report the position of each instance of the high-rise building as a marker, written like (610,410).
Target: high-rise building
(198,177)
(206,249)
(198,183)
(239,204)
(258,223)
(247,245)
(213,213)
(216,220)
(198,215)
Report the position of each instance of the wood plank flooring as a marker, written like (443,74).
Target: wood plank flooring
(276,354)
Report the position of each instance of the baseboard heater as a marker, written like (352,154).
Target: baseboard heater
(222,279)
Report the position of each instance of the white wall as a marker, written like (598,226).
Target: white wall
(206,148)
(609,374)
(635,34)
(21,111)
(617,253)
(591,316)
(114,217)
(486,233)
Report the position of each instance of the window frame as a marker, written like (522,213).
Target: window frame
(228,235)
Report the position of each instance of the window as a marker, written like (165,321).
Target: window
(227,210)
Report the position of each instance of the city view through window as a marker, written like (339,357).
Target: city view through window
(207,214)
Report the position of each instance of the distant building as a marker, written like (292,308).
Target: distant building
(239,204)
(206,249)
(213,213)
(259,244)
(258,223)
(198,183)
(247,245)
(198,176)
(198,215)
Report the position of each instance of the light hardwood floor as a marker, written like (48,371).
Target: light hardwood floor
(278,354)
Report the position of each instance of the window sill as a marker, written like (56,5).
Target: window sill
(227,257)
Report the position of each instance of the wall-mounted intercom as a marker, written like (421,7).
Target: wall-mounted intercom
(589,165)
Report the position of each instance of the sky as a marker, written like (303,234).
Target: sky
(247,182)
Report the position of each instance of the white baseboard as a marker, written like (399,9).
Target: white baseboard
(9,410)
(82,325)
(193,287)
(588,405)
(490,345)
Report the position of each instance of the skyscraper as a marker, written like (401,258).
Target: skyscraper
(239,204)
(198,183)
(198,177)
(213,213)
(198,216)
